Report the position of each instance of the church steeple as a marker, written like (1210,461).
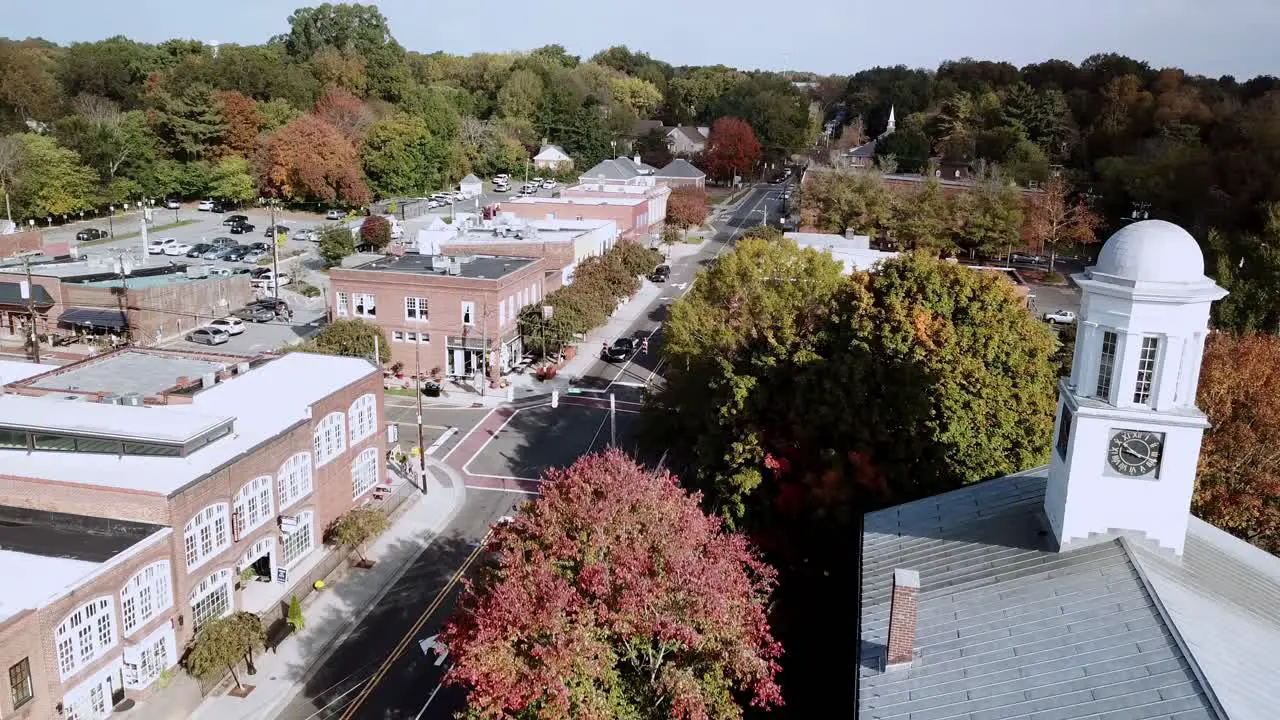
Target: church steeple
(892,123)
(1127,437)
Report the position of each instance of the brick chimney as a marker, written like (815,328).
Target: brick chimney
(902,618)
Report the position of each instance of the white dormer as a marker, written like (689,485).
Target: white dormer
(1127,437)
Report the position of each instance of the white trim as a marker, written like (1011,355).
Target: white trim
(364,472)
(260,492)
(211,517)
(140,668)
(306,523)
(137,549)
(83,692)
(218,579)
(80,634)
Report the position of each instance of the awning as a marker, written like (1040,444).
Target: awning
(11,294)
(93,317)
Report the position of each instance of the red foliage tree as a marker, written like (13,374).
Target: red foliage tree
(614,595)
(375,232)
(308,159)
(687,207)
(346,112)
(1238,479)
(732,148)
(241,121)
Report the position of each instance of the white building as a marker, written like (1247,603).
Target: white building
(854,253)
(553,158)
(471,186)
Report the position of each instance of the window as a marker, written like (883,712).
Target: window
(211,599)
(1146,370)
(415,308)
(1064,431)
(253,505)
(366,305)
(206,535)
(411,337)
(362,418)
(144,662)
(299,542)
(502,314)
(330,438)
(364,472)
(1106,365)
(468,312)
(397,336)
(20,683)
(86,634)
(145,596)
(13,439)
(343,303)
(295,479)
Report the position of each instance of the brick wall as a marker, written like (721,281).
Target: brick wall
(171,309)
(627,217)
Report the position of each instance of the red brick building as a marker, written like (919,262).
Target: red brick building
(157,491)
(632,215)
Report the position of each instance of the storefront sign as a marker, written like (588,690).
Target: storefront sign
(282,575)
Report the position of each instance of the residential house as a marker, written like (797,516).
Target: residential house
(553,158)
(680,172)
(471,186)
(620,171)
(687,140)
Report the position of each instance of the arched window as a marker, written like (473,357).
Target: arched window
(145,596)
(295,479)
(364,472)
(85,635)
(253,505)
(362,418)
(330,440)
(211,599)
(206,535)
(301,541)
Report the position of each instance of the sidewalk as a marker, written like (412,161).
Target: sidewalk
(334,612)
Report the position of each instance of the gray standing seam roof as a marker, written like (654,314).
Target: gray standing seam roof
(680,168)
(1007,627)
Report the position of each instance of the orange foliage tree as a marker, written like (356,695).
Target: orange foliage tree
(346,112)
(241,122)
(732,148)
(1058,222)
(1238,484)
(308,159)
(687,207)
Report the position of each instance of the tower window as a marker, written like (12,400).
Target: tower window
(1146,370)
(1064,431)
(1106,365)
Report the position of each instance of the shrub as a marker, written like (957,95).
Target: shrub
(306,289)
(336,243)
(295,618)
(351,338)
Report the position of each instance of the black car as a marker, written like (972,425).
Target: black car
(235,219)
(199,249)
(661,274)
(259,246)
(235,254)
(275,305)
(279,230)
(255,313)
(620,350)
(241,228)
(90,234)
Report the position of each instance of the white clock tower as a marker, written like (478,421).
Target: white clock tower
(1127,437)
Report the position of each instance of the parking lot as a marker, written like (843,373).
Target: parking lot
(538,438)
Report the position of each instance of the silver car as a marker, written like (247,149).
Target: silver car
(209,336)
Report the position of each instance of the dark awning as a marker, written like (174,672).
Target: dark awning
(11,294)
(93,317)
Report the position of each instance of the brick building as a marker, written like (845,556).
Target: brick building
(562,243)
(156,491)
(441,312)
(632,215)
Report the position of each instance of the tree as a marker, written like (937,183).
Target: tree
(732,149)
(115,68)
(335,68)
(349,338)
(922,220)
(241,123)
(10,160)
(310,160)
(296,619)
(402,157)
(356,527)
(634,257)
(187,121)
(336,243)
(688,207)
(221,644)
(655,612)
(989,217)
(519,97)
(344,111)
(375,232)
(1238,479)
(232,179)
(1056,222)
(50,179)
(838,201)
(28,88)
(353,29)
(641,96)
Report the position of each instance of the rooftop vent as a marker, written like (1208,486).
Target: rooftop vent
(208,380)
(108,399)
(242,368)
(132,399)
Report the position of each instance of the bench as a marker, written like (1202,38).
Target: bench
(276,634)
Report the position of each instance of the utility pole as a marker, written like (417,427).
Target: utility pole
(31,312)
(613,422)
(484,342)
(275,255)
(422,446)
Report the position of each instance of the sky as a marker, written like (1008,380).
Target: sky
(1205,37)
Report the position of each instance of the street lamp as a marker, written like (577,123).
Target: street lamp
(111,225)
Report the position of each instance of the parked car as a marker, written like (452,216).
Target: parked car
(224,271)
(242,228)
(224,242)
(220,206)
(661,274)
(334,214)
(528,189)
(256,313)
(159,245)
(1027,259)
(172,204)
(235,254)
(90,234)
(501,178)
(253,256)
(259,245)
(279,230)
(218,251)
(537,180)
(235,219)
(177,249)
(308,235)
(1060,317)
(501,187)
(548,184)
(620,350)
(269,279)
(209,336)
(199,249)
(205,206)
(275,305)
(229,325)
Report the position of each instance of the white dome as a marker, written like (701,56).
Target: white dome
(1152,251)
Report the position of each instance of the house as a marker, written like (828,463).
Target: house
(687,140)
(143,494)
(1085,588)
(680,172)
(553,158)
(471,186)
(620,171)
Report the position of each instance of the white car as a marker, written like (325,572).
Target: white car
(229,325)
(334,215)
(177,249)
(501,178)
(172,204)
(536,181)
(205,206)
(1060,317)
(159,245)
(269,280)
(548,183)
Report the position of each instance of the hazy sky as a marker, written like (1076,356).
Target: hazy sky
(1208,37)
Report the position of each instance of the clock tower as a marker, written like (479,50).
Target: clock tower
(1127,437)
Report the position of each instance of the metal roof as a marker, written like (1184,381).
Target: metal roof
(680,168)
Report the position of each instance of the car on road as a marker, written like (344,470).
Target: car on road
(528,189)
(255,313)
(235,219)
(177,249)
(1060,317)
(275,305)
(172,204)
(209,336)
(242,228)
(279,230)
(501,187)
(159,245)
(548,184)
(229,325)
(205,206)
(90,234)
(334,214)
(620,350)
(661,274)
(198,250)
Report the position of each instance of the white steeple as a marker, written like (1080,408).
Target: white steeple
(1127,436)
(892,123)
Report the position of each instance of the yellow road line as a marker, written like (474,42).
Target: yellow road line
(372,684)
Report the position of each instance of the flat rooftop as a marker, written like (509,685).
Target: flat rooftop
(483,267)
(128,371)
(146,282)
(16,370)
(575,200)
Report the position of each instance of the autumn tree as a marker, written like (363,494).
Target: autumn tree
(688,207)
(241,123)
(1058,222)
(657,611)
(922,220)
(335,68)
(308,159)
(344,111)
(375,233)
(28,88)
(838,201)
(732,148)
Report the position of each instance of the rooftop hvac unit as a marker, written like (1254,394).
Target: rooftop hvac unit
(242,368)
(109,399)
(208,380)
(131,399)
(455,269)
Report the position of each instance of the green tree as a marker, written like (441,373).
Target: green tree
(50,179)
(336,243)
(296,619)
(221,644)
(910,147)
(641,96)
(519,97)
(357,527)
(922,220)
(838,201)
(352,28)
(349,338)
(115,68)
(28,88)
(232,179)
(989,217)
(1026,163)
(402,157)
(187,121)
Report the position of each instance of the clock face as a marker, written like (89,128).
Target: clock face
(1135,452)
